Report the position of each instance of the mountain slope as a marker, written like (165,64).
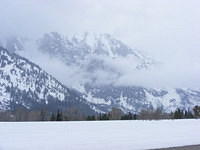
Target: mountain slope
(24,84)
(135,99)
(103,60)
(79,48)
(102,54)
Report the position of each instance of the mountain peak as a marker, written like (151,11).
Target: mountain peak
(103,44)
(24,84)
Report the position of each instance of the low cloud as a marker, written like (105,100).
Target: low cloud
(120,71)
(168,31)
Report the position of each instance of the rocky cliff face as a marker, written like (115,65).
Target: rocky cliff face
(134,98)
(24,84)
(98,56)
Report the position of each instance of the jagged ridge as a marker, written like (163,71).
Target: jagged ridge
(24,84)
(90,54)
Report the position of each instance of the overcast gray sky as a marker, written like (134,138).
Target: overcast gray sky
(154,26)
(167,30)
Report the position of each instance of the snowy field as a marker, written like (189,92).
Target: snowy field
(104,135)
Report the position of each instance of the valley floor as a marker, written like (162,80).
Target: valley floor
(98,135)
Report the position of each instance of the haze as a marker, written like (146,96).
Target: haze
(166,30)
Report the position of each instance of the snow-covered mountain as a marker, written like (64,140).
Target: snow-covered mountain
(134,98)
(79,48)
(104,60)
(24,84)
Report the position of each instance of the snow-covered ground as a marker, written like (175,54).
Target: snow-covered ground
(98,135)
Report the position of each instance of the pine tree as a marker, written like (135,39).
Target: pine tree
(129,116)
(53,118)
(178,114)
(190,115)
(186,114)
(104,117)
(43,115)
(135,117)
(59,116)
(90,118)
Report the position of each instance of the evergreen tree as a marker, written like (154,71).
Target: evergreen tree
(53,117)
(59,116)
(178,114)
(135,117)
(185,114)
(90,118)
(100,116)
(104,117)
(43,115)
(129,116)
(190,115)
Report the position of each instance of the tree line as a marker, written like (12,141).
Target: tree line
(72,114)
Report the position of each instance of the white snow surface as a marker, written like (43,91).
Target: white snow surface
(98,135)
